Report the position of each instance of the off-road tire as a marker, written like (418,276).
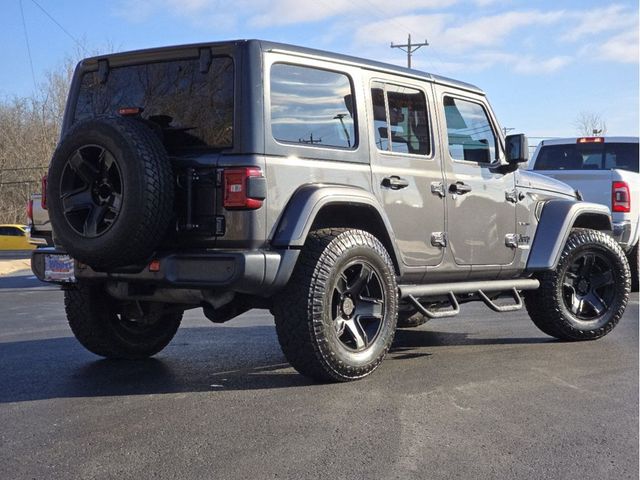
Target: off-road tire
(411,319)
(548,306)
(304,312)
(634,263)
(100,329)
(145,208)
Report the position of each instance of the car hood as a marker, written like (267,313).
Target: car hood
(528,179)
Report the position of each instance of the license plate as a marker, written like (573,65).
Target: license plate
(58,268)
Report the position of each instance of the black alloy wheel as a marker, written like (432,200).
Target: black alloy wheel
(91,190)
(585,296)
(337,316)
(589,286)
(358,306)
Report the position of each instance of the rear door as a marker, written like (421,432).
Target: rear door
(405,165)
(480,205)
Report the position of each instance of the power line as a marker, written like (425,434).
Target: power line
(379,12)
(388,16)
(410,48)
(26,38)
(24,182)
(58,24)
(22,168)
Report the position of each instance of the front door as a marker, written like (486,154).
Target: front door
(481,208)
(405,165)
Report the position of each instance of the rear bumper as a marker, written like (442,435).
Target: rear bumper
(39,241)
(257,272)
(622,233)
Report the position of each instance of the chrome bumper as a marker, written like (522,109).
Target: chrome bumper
(622,233)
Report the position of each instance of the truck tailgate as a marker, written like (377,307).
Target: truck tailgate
(594,185)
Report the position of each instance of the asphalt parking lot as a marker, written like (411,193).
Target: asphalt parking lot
(477,396)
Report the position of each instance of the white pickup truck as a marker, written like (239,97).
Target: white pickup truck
(604,170)
(38,222)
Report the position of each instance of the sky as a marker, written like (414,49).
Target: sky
(541,62)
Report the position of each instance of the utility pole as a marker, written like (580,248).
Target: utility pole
(410,48)
(506,130)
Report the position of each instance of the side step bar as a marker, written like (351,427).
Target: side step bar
(413,292)
(455,308)
(468,287)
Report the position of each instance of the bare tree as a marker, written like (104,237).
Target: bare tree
(590,123)
(29,130)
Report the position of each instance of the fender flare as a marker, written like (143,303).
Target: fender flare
(305,204)
(556,221)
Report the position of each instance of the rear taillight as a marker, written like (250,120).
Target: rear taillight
(130,111)
(43,197)
(620,197)
(244,188)
(30,210)
(591,140)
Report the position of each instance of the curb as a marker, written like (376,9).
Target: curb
(11,266)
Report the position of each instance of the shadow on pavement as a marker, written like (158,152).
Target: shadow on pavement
(198,360)
(14,254)
(22,280)
(416,338)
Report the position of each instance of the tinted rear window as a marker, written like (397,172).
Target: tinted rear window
(195,108)
(588,156)
(11,232)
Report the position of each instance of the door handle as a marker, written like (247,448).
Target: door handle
(394,182)
(460,188)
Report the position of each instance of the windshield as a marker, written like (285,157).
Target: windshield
(193,108)
(588,156)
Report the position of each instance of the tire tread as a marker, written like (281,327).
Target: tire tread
(90,313)
(299,309)
(543,305)
(154,213)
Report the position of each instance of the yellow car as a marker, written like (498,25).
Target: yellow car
(14,237)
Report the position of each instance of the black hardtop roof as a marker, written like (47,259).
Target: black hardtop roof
(294,50)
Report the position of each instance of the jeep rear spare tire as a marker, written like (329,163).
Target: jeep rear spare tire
(110,192)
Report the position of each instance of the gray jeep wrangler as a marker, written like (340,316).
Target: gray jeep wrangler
(346,196)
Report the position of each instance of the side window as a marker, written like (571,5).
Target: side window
(469,131)
(11,231)
(621,155)
(312,106)
(380,124)
(400,119)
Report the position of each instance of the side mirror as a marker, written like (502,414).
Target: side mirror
(517,149)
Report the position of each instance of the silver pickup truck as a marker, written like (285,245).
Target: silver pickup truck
(604,170)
